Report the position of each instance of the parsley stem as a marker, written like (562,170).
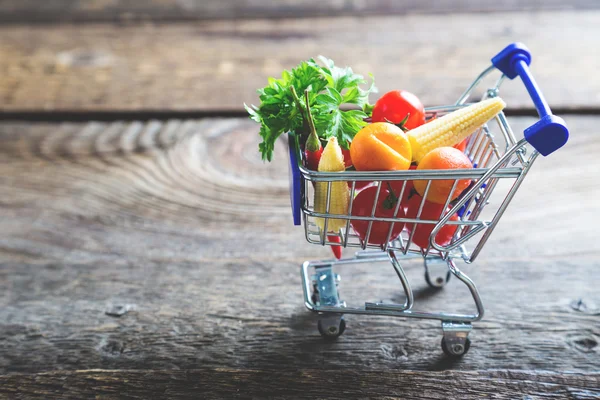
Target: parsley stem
(298,104)
(314,138)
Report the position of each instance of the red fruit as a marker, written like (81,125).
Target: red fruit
(397,188)
(312,148)
(337,250)
(430,211)
(462,146)
(386,205)
(359,185)
(312,158)
(347,157)
(394,106)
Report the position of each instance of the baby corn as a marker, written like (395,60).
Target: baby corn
(452,128)
(332,160)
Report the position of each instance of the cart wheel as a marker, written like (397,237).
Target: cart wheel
(437,282)
(457,349)
(437,273)
(331,331)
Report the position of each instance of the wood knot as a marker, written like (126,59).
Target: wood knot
(393,352)
(111,347)
(584,306)
(585,344)
(84,58)
(118,310)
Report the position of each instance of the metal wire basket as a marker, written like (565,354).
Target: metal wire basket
(500,161)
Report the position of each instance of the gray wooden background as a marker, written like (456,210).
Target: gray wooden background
(146,250)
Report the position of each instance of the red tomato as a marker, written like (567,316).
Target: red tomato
(397,188)
(386,204)
(359,185)
(395,105)
(347,158)
(431,211)
(462,146)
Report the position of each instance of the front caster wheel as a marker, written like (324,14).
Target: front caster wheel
(456,349)
(331,328)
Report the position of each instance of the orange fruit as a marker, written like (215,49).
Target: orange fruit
(380,146)
(443,158)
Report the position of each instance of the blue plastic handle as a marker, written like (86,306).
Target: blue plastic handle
(295,179)
(550,133)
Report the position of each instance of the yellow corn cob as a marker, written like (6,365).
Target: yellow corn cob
(452,128)
(332,160)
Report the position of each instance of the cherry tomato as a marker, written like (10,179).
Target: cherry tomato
(462,146)
(386,204)
(394,106)
(347,158)
(431,211)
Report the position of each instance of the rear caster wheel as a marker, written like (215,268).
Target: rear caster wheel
(456,349)
(437,282)
(437,273)
(331,328)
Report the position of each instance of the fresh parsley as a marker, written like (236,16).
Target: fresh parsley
(333,91)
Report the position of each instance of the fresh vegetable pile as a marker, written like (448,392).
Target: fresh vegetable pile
(326,107)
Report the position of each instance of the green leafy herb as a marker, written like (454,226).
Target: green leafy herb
(368,109)
(330,87)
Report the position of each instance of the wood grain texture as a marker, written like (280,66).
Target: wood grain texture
(218,65)
(306,384)
(19,11)
(170,246)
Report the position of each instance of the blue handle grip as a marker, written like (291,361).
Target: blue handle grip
(295,179)
(550,133)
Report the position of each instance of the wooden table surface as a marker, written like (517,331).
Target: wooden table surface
(146,250)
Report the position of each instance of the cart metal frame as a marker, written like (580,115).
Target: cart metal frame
(495,157)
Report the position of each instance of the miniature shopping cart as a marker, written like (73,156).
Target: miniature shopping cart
(498,157)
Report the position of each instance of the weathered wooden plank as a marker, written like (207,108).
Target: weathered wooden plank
(248,313)
(218,65)
(183,227)
(306,384)
(18,11)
